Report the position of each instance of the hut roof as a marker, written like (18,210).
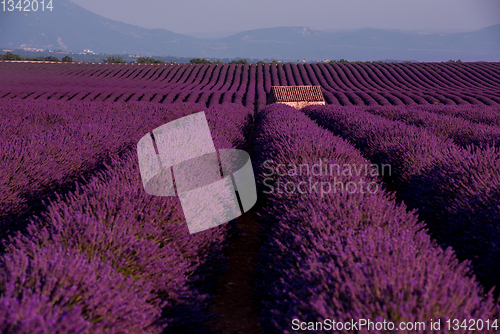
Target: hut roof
(296,94)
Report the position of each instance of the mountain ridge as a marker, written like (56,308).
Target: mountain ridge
(73,28)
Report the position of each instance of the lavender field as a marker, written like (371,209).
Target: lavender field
(86,250)
(248,84)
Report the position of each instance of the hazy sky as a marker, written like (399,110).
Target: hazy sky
(190,16)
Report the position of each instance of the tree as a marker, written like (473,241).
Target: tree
(200,61)
(339,61)
(11,56)
(67,59)
(149,60)
(241,61)
(261,62)
(51,58)
(114,59)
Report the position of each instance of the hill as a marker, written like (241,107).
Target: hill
(72,28)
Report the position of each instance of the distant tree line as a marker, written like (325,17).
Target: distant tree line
(244,61)
(151,60)
(141,60)
(13,56)
(120,60)
(114,59)
(205,61)
(240,61)
(368,61)
(347,61)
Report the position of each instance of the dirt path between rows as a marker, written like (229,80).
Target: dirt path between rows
(234,291)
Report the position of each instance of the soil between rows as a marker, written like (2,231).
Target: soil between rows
(232,299)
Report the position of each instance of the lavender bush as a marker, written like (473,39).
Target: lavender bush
(463,132)
(345,84)
(46,146)
(138,269)
(347,255)
(455,190)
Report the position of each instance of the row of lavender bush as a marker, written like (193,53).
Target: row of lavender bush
(462,131)
(108,258)
(456,190)
(248,84)
(489,115)
(46,145)
(346,255)
(346,76)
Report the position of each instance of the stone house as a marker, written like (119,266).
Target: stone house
(296,96)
